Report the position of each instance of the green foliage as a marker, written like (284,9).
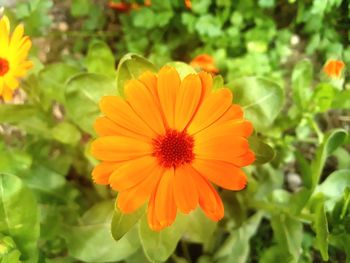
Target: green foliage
(19,220)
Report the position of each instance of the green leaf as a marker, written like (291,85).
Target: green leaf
(52,80)
(131,66)
(236,247)
(122,223)
(264,153)
(83,93)
(66,133)
(218,82)
(92,241)
(19,216)
(331,142)
(26,117)
(80,7)
(200,228)
(158,246)
(335,184)
(261,99)
(342,100)
(323,97)
(182,68)
(288,232)
(321,228)
(302,77)
(100,59)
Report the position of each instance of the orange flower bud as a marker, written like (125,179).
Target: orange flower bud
(334,68)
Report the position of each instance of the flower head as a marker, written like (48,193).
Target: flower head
(334,68)
(188,4)
(13,57)
(168,141)
(205,62)
(123,7)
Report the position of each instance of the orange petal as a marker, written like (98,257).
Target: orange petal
(209,200)
(228,129)
(244,160)
(119,148)
(102,171)
(234,112)
(119,111)
(132,173)
(164,203)
(151,214)
(187,101)
(212,108)
(185,191)
(168,85)
(150,81)
(207,82)
(220,148)
(131,199)
(223,174)
(144,105)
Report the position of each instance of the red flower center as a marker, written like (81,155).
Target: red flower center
(174,149)
(4,66)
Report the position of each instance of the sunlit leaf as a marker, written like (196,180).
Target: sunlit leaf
(261,99)
(19,216)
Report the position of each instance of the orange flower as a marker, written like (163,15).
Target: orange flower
(13,57)
(334,68)
(167,142)
(188,4)
(204,62)
(123,7)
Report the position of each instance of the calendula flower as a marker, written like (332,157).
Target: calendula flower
(188,4)
(13,57)
(167,142)
(123,7)
(204,62)
(334,68)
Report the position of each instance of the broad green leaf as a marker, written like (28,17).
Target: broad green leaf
(261,99)
(302,77)
(335,184)
(122,223)
(13,160)
(66,133)
(100,59)
(83,93)
(25,117)
(200,228)
(288,232)
(19,216)
(80,7)
(341,100)
(52,80)
(273,254)
(92,241)
(236,247)
(320,226)
(158,246)
(323,97)
(131,66)
(263,152)
(331,142)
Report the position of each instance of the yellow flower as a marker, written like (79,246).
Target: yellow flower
(13,57)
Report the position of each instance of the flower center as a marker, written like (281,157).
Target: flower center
(174,149)
(4,66)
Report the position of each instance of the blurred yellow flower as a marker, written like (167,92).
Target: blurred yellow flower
(13,57)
